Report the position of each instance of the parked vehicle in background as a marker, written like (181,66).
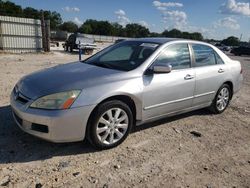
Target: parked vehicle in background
(77,40)
(241,51)
(127,84)
(226,48)
(222,47)
(119,40)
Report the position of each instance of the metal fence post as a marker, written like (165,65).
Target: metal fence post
(43,31)
(47,35)
(80,51)
(1,37)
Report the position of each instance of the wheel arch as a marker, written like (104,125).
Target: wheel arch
(133,105)
(123,98)
(230,84)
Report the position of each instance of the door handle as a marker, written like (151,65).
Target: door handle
(221,70)
(188,77)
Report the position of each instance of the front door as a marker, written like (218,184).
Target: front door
(165,93)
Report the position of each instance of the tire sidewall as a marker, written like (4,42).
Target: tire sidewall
(215,99)
(94,119)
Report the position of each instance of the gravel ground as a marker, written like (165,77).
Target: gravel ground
(159,154)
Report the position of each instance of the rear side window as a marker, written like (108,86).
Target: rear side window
(176,55)
(204,55)
(218,59)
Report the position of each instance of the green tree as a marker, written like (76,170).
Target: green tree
(104,28)
(85,28)
(54,17)
(196,36)
(136,30)
(118,30)
(8,8)
(93,24)
(69,27)
(154,34)
(175,33)
(231,41)
(30,12)
(97,27)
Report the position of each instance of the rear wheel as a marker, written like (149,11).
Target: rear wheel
(222,99)
(66,48)
(110,124)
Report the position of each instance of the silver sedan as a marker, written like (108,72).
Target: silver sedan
(126,84)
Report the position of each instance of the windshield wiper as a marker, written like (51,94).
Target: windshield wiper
(103,65)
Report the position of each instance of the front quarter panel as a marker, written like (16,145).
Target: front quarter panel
(97,93)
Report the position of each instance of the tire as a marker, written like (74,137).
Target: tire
(71,49)
(221,100)
(65,48)
(114,121)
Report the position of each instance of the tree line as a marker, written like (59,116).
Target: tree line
(132,30)
(90,26)
(8,8)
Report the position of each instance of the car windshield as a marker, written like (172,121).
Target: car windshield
(124,56)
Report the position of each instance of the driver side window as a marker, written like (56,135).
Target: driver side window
(176,55)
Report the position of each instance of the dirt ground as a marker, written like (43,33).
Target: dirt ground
(159,154)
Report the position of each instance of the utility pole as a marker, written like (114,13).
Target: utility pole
(45,33)
(240,37)
(1,37)
(43,30)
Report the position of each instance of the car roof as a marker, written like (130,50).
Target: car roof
(156,40)
(166,40)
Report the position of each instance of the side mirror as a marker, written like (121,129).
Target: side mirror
(162,68)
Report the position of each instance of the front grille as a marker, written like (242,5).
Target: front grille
(18,119)
(39,128)
(20,97)
(22,100)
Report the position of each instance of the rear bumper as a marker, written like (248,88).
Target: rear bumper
(52,125)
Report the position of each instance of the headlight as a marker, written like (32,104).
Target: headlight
(56,101)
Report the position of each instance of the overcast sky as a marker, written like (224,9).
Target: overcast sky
(213,18)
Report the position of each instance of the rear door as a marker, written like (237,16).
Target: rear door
(209,70)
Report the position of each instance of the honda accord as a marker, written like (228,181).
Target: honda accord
(125,85)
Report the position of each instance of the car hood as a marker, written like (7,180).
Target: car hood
(71,76)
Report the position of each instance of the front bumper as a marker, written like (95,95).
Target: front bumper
(52,125)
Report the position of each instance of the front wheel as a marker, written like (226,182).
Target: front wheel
(109,124)
(71,49)
(222,99)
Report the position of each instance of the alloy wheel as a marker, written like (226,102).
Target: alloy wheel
(112,126)
(222,99)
